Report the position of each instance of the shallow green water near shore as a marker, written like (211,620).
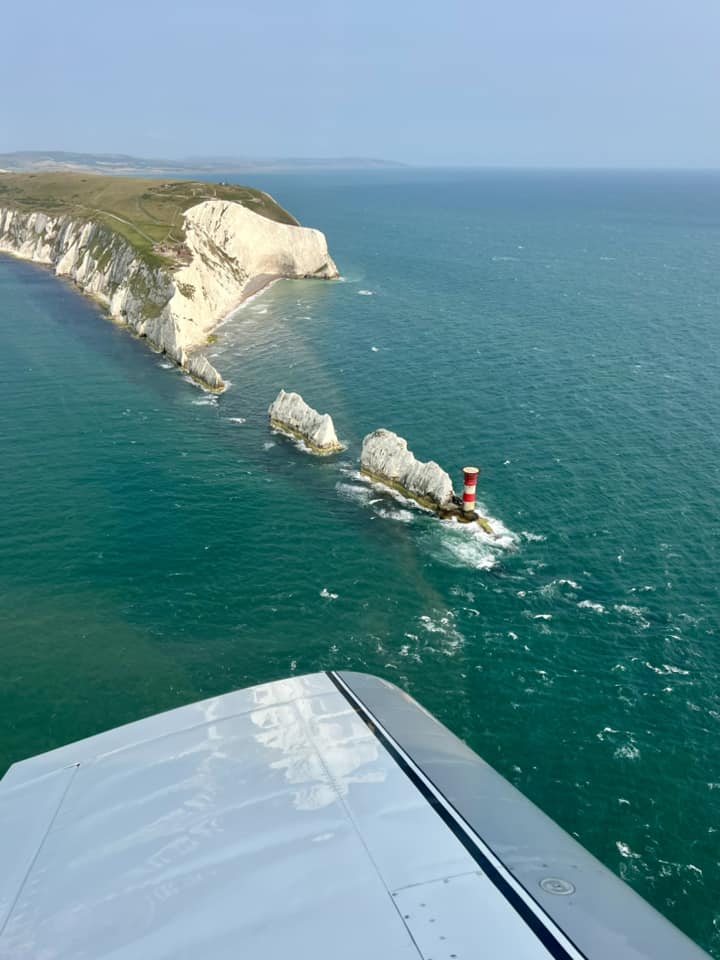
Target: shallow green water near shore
(158,545)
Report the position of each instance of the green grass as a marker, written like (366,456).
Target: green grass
(146,213)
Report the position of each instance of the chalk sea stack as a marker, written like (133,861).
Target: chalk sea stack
(292,416)
(385,458)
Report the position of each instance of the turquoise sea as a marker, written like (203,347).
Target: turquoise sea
(560,330)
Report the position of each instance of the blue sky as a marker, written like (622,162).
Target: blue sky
(508,83)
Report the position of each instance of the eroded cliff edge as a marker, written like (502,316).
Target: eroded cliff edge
(175,302)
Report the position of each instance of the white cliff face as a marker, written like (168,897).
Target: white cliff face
(290,413)
(103,265)
(175,308)
(385,456)
(231,248)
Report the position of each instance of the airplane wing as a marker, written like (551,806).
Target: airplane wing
(327,817)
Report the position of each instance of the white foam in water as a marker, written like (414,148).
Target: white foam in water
(666,668)
(327,595)
(269,444)
(404,516)
(457,545)
(236,419)
(551,589)
(296,442)
(365,293)
(301,445)
(469,545)
(165,365)
(362,494)
(451,542)
(405,501)
(375,349)
(443,627)
(503,538)
(637,613)
(589,605)
(601,735)
(532,537)
(209,400)
(354,492)
(625,851)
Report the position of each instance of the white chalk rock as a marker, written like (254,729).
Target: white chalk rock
(230,248)
(200,368)
(290,413)
(176,307)
(385,456)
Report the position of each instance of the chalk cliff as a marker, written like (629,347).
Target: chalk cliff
(290,414)
(385,457)
(229,250)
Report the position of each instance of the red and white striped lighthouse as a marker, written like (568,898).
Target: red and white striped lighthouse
(470,477)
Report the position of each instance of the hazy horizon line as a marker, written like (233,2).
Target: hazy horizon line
(188,159)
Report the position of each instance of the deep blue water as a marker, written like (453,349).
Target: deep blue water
(559,330)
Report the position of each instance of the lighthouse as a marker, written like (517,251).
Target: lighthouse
(470,477)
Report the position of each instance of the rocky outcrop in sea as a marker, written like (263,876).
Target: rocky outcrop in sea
(385,458)
(291,415)
(229,249)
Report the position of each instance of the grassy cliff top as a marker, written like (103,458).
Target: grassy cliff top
(147,213)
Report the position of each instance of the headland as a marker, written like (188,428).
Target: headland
(169,259)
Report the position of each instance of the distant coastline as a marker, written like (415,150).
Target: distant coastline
(111,164)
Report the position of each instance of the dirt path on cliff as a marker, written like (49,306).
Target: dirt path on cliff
(128,223)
